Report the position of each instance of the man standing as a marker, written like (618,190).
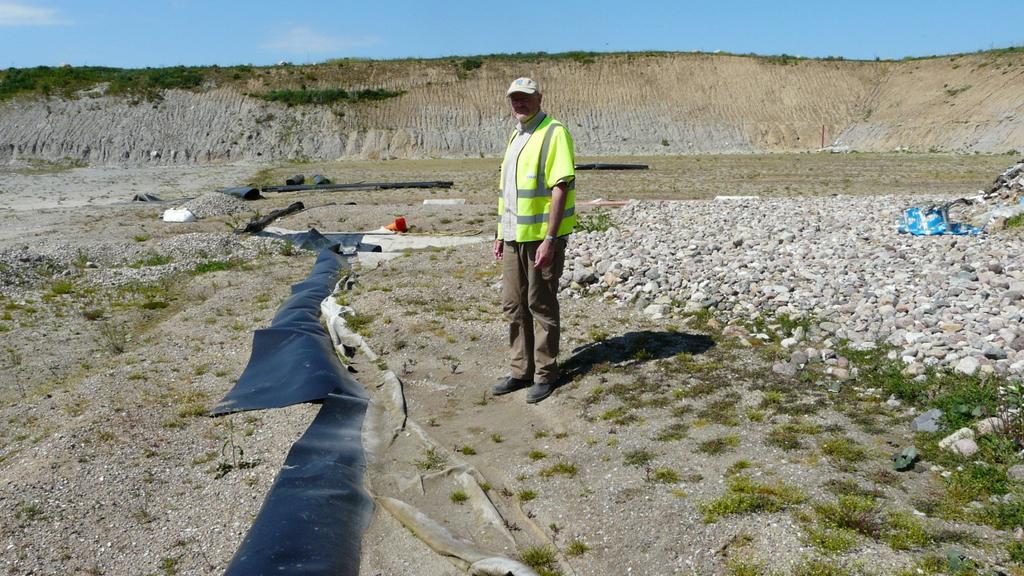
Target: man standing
(536,213)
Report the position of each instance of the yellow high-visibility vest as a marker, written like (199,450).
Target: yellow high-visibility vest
(549,147)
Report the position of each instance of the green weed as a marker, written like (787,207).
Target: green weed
(638,458)
(431,461)
(541,559)
(561,468)
(746,496)
(720,445)
(576,547)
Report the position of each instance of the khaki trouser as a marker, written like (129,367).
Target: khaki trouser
(529,299)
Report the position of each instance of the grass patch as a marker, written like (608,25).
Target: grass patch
(788,436)
(431,461)
(843,452)
(65,81)
(541,559)
(672,433)
(720,445)
(598,222)
(819,567)
(664,476)
(576,547)
(746,496)
(638,458)
(742,567)
(537,455)
(721,411)
(328,96)
(526,495)
(459,497)
(737,467)
(215,266)
(862,515)
(151,259)
(359,323)
(560,469)
(61,287)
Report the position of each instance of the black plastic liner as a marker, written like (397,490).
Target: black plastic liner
(293,360)
(243,192)
(612,167)
(314,240)
(314,517)
(360,186)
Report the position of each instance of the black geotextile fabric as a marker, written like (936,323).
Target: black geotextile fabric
(313,519)
(314,516)
(294,360)
(313,239)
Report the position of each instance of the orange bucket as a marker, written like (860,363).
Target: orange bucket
(398,225)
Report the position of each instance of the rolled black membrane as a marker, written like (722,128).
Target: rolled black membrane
(243,192)
(611,167)
(314,516)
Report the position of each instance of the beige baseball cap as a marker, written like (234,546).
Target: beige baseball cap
(525,85)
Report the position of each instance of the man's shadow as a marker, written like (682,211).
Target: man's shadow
(639,346)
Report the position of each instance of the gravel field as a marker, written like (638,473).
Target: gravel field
(739,374)
(954,302)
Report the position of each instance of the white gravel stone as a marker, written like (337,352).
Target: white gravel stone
(989,425)
(963,433)
(965,447)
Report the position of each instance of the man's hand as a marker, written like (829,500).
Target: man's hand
(543,257)
(499,249)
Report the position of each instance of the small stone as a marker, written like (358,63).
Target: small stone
(839,373)
(993,352)
(961,434)
(1015,472)
(789,342)
(965,447)
(656,311)
(784,369)
(989,425)
(968,366)
(904,460)
(735,331)
(927,422)
(893,403)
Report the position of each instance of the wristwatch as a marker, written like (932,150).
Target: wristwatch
(549,237)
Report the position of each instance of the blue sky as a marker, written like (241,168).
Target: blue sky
(191,32)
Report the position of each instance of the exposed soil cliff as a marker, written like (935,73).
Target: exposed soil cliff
(620,104)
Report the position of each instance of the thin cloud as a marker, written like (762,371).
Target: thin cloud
(13,14)
(305,40)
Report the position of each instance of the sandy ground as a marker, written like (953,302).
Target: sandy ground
(108,465)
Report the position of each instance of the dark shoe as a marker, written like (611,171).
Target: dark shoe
(540,391)
(510,384)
